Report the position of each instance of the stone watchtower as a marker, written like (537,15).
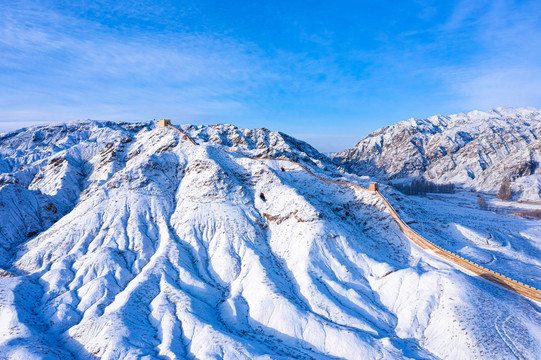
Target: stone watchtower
(373,187)
(164,122)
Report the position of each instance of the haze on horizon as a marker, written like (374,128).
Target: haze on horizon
(325,73)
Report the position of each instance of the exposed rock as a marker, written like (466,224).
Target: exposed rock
(126,241)
(476,149)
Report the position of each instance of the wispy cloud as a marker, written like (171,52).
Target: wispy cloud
(62,67)
(72,62)
(479,55)
(134,61)
(504,68)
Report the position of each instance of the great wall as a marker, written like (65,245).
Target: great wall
(502,280)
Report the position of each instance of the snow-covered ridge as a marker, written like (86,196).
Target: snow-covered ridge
(56,164)
(500,279)
(476,149)
(159,248)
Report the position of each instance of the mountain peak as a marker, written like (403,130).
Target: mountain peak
(122,240)
(477,149)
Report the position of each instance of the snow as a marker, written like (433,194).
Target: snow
(509,245)
(476,150)
(162,249)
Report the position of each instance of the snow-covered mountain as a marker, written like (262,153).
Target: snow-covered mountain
(125,241)
(476,149)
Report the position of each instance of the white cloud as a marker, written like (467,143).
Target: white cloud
(489,87)
(58,67)
(53,62)
(65,66)
(499,43)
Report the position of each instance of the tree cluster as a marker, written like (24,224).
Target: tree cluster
(505,191)
(482,203)
(530,214)
(422,187)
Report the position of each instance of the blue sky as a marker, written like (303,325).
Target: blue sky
(326,72)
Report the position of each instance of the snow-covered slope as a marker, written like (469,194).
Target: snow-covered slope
(476,149)
(123,241)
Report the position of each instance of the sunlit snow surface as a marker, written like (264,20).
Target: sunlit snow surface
(125,241)
(477,150)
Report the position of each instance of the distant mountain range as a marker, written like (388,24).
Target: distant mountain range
(478,150)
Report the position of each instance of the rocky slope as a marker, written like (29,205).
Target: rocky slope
(124,241)
(476,149)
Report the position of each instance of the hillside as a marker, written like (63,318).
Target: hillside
(476,150)
(123,240)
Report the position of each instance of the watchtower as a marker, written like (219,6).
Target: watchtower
(373,187)
(164,122)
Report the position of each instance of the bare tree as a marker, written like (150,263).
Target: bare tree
(482,203)
(505,191)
